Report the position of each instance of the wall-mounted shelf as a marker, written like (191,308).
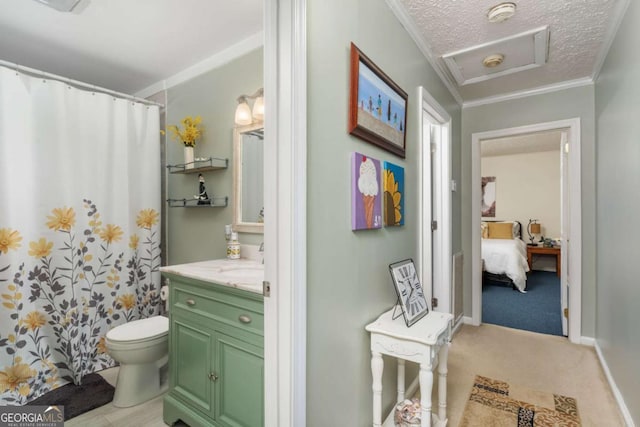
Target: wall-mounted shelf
(214,202)
(197,166)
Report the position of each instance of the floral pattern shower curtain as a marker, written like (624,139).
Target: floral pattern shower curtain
(79,229)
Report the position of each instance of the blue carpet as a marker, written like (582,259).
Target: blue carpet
(538,310)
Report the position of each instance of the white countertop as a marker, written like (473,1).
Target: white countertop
(241,273)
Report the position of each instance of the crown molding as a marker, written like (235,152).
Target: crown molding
(612,30)
(586,81)
(409,25)
(223,57)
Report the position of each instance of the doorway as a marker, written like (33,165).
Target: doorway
(571,218)
(521,177)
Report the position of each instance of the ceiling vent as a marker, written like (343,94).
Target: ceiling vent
(517,53)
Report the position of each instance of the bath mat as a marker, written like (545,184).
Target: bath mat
(94,392)
(497,403)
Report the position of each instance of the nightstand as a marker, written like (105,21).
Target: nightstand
(541,250)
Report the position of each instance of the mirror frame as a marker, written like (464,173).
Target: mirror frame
(238,224)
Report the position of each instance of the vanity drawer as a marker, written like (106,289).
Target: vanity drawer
(229,309)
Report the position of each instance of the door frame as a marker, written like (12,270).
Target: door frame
(574,199)
(434,249)
(285,230)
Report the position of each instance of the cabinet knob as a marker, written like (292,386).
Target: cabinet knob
(244,318)
(190,302)
(213,376)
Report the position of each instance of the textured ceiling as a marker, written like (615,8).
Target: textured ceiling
(123,45)
(578,32)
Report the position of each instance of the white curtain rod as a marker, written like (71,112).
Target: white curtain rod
(75,83)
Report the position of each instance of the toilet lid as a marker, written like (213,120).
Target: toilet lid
(140,329)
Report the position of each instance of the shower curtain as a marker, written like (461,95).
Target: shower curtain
(79,229)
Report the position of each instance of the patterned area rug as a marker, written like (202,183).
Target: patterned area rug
(496,403)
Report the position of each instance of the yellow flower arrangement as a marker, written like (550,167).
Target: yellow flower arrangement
(192,130)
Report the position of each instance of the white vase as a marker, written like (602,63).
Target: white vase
(188,157)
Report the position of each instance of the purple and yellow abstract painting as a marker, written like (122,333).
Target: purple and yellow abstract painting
(366,195)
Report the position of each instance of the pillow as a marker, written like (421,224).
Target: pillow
(500,230)
(516,230)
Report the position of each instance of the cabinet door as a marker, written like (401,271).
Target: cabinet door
(191,354)
(240,384)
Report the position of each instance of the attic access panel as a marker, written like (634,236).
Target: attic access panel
(521,52)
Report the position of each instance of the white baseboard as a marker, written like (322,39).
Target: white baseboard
(467,320)
(588,341)
(614,388)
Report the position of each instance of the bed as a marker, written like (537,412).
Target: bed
(505,259)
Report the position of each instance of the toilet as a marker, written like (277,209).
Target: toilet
(141,347)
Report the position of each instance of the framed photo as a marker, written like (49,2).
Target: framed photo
(409,290)
(489,196)
(377,106)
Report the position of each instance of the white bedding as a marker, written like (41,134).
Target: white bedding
(508,257)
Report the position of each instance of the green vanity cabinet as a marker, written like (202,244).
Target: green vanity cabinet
(216,355)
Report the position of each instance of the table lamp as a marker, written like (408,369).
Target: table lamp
(533,228)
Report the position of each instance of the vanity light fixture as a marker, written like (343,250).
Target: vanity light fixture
(244,115)
(501,12)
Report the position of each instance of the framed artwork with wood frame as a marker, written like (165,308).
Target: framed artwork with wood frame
(377,105)
(409,290)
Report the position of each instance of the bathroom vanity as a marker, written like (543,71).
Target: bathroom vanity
(216,343)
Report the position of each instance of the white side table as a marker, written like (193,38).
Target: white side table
(425,342)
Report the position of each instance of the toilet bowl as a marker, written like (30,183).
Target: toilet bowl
(141,347)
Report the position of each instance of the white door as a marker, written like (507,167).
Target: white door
(565,208)
(434,246)
(426,214)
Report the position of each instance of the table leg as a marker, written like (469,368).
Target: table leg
(558,264)
(377,365)
(426,384)
(442,381)
(400,380)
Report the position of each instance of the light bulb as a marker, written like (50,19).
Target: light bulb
(243,114)
(258,108)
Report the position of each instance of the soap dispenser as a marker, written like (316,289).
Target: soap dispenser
(233,247)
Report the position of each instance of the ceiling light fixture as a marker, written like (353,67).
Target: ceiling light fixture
(501,12)
(493,61)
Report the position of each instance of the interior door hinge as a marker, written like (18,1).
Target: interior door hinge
(434,225)
(434,303)
(566,312)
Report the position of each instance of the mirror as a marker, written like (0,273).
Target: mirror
(248,173)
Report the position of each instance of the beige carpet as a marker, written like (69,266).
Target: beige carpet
(500,404)
(535,361)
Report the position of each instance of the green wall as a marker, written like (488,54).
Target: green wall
(560,105)
(197,234)
(618,180)
(348,278)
